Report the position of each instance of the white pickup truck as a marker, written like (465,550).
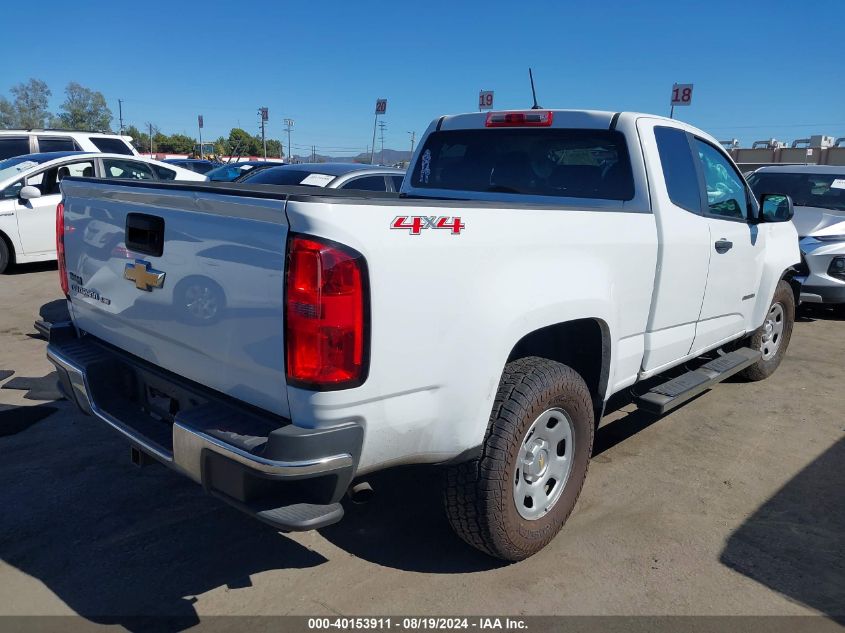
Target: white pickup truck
(276,344)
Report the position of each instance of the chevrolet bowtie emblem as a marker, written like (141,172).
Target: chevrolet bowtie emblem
(145,278)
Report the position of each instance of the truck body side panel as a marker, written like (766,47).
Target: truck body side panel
(447,309)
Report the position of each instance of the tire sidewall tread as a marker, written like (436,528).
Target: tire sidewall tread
(479,494)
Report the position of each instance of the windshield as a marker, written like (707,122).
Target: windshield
(287,176)
(825,191)
(13,166)
(541,162)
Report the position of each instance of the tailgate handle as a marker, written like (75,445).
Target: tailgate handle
(145,234)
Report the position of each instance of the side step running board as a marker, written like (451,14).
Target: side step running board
(669,395)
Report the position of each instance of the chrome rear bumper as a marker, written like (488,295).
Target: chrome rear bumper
(195,443)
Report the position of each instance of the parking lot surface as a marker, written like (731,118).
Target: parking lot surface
(732,504)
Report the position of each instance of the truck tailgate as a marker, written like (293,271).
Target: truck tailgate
(208,307)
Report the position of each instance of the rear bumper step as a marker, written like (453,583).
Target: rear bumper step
(287,476)
(669,395)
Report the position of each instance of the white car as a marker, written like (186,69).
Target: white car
(20,142)
(29,193)
(818,192)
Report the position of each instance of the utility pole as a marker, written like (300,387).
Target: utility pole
(199,124)
(264,114)
(120,109)
(151,140)
(382,125)
(288,126)
(413,137)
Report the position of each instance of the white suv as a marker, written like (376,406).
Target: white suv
(20,142)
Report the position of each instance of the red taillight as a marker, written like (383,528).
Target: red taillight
(531,118)
(325,305)
(60,247)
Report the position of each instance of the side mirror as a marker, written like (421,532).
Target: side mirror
(776,207)
(29,192)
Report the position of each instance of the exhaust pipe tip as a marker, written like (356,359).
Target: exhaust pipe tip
(360,493)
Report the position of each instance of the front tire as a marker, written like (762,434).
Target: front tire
(515,498)
(772,338)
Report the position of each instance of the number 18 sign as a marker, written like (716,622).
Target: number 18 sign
(681,95)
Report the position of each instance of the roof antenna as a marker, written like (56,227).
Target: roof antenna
(533,92)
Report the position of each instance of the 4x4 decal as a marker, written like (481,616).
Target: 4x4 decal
(416,223)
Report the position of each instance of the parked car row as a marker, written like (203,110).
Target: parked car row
(30,191)
(34,162)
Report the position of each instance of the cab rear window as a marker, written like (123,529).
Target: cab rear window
(572,163)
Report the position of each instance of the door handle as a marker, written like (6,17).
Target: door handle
(723,245)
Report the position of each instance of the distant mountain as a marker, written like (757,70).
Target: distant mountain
(391,157)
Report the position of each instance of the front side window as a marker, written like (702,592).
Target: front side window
(571,163)
(110,145)
(12,191)
(397,182)
(679,170)
(726,195)
(133,170)
(80,169)
(54,144)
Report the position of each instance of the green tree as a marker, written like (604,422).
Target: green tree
(241,142)
(274,147)
(140,140)
(30,104)
(8,117)
(221,146)
(181,144)
(84,109)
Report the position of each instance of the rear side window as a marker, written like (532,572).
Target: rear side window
(678,168)
(285,176)
(397,182)
(13,146)
(48,144)
(366,183)
(569,163)
(164,173)
(110,145)
(129,169)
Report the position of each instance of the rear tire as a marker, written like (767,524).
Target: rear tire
(5,255)
(772,338)
(538,445)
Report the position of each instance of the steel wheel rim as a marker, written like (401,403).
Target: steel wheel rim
(772,331)
(201,302)
(543,464)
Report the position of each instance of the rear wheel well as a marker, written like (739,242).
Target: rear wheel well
(10,246)
(582,344)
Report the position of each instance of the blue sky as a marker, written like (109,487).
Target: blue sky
(760,68)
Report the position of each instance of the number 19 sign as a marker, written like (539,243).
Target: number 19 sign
(485,100)
(681,95)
